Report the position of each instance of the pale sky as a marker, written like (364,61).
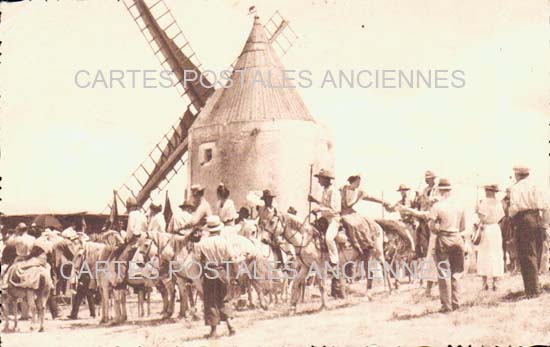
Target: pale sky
(64,148)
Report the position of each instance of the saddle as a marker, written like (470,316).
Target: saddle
(30,274)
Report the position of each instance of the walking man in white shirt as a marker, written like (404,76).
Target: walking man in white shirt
(529,213)
(448,222)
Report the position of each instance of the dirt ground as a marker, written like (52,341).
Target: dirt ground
(404,318)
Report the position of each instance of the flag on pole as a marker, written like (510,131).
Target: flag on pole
(113,217)
(167,209)
(84,226)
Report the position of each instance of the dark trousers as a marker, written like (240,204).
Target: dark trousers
(449,248)
(53,305)
(422,239)
(216,306)
(529,240)
(83,291)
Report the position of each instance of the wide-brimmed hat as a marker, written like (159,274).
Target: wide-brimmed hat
(196,188)
(492,187)
(187,203)
(70,234)
(131,202)
(21,227)
(444,184)
(521,169)
(403,187)
(155,205)
(325,173)
(267,193)
(214,224)
(429,174)
(354,177)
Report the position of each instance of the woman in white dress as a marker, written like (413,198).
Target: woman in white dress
(490,262)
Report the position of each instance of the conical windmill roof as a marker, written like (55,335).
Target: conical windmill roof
(259,91)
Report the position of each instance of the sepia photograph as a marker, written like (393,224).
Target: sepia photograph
(289,173)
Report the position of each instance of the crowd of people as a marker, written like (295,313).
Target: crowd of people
(435,220)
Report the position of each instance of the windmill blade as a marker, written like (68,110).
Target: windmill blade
(280,33)
(165,37)
(172,49)
(160,166)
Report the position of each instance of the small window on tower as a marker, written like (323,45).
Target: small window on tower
(207,155)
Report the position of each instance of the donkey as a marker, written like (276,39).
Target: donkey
(30,280)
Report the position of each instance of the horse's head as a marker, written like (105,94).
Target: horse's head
(147,248)
(68,249)
(272,228)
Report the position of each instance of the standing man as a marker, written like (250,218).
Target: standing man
(448,222)
(216,257)
(137,221)
(401,206)
(425,239)
(529,213)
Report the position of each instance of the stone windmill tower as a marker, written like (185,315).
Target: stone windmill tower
(252,134)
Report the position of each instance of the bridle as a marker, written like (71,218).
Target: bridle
(291,239)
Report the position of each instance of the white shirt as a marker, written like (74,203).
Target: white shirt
(329,204)
(525,195)
(157,223)
(227,212)
(137,224)
(179,220)
(449,215)
(215,249)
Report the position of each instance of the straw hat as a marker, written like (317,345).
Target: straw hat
(214,224)
(403,187)
(444,184)
(267,193)
(429,174)
(521,169)
(325,173)
(492,187)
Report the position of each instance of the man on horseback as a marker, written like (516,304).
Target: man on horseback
(181,218)
(267,211)
(265,216)
(328,209)
(202,207)
(156,218)
(137,221)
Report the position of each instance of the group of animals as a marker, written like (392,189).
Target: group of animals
(255,248)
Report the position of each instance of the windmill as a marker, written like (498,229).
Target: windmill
(170,155)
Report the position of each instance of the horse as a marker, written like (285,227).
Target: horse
(100,249)
(35,281)
(164,251)
(250,230)
(303,237)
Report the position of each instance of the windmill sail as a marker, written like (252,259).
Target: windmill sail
(172,49)
(280,33)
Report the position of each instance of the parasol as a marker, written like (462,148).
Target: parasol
(48,221)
